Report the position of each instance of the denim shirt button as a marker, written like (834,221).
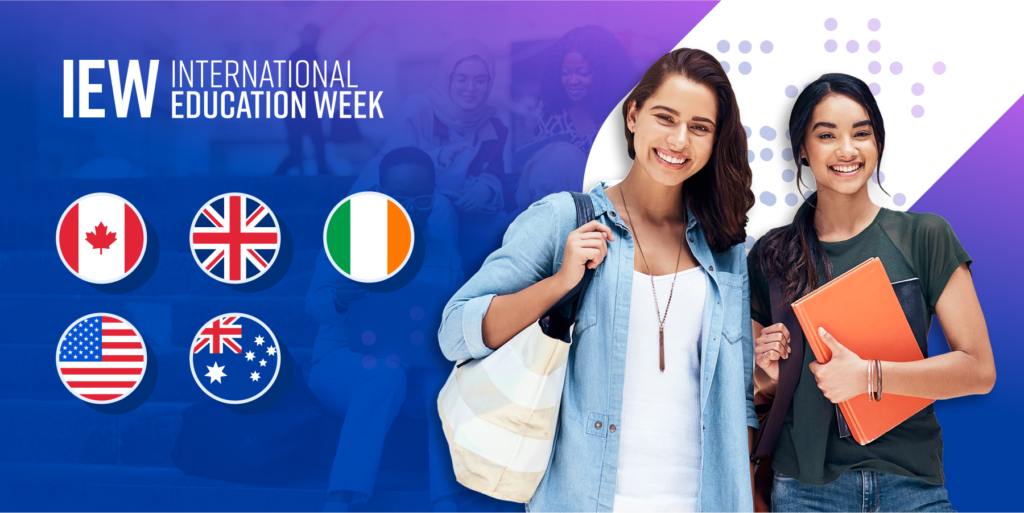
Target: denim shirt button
(612,214)
(597,425)
(711,267)
(691,239)
(611,428)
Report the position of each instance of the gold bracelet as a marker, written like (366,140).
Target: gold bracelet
(871,395)
(878,386)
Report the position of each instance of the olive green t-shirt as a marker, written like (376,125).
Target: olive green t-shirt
(809,448)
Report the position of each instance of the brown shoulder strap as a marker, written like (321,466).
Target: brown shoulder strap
(789,375)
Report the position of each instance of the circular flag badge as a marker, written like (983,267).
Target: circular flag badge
(369,237)
(101,238)
(235,238)
(235,358)
(101,358)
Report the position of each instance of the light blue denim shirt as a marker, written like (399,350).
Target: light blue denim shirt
(581,473)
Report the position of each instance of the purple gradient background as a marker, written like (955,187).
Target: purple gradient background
(978,195)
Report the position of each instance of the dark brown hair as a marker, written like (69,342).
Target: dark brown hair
(789,252)
(719,194)
(613,71)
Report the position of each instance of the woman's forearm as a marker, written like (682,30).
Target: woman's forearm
(953,374)
(968,368)
(508,315)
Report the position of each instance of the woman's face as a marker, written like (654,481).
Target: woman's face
(470,83)
(674,131)
(576,76)
(840,145)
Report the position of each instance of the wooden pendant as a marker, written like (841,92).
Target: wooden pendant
(661,346)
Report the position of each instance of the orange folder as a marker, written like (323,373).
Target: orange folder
(860,310)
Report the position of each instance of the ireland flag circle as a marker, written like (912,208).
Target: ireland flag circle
(369,237)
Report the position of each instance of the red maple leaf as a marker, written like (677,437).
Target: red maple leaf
(100,238)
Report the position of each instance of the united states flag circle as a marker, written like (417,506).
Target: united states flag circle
(101,358)
(235,238)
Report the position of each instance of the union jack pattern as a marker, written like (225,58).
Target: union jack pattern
(235,238)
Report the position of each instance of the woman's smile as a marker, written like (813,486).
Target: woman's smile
(671,159)
(576,92)
(846,169)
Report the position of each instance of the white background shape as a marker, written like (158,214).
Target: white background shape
(978,43)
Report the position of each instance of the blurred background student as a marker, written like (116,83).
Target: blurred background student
(298,127)
(587,70)
(453,123)
(367,391)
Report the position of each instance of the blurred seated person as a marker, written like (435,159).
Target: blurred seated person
(369,394)
(555,167)
(453,123)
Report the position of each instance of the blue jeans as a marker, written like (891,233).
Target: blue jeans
(369,400)
(859,491)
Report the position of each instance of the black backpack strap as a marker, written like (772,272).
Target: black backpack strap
(789,374)
(560,317)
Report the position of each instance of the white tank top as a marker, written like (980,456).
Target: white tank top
(659,436)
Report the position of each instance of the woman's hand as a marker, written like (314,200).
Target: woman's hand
(772,345)
(474,197)
(345,292)
(585,248)
(450,152)
(845,376)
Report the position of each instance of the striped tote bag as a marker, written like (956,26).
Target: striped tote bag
(499,413)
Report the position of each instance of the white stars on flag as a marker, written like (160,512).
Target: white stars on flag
(216,373)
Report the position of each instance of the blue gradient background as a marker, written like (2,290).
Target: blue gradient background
(59,454)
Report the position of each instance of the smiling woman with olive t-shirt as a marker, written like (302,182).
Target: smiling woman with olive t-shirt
(837,132)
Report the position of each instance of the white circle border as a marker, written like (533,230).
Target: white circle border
(408,218)
(145,357)
(273,380)
(277,223)
(145,238)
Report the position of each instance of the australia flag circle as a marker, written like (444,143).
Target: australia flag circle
(235,358)
(235,238)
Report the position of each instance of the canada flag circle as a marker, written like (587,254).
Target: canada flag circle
(101,238)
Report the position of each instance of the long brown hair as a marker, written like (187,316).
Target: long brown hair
(719,194)
(789,252)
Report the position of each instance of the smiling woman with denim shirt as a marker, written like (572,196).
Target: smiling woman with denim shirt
(657,408)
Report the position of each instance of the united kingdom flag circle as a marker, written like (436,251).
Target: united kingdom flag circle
(235,358)
(235,238)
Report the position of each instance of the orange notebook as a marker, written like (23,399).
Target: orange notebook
(860,310)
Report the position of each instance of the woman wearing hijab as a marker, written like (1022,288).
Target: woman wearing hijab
(453,123)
